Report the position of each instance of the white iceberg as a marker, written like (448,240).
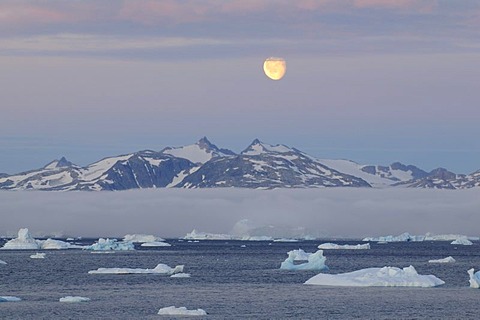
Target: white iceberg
(256,238)
(285,240)
(110,244)
(195,235)
(474,278)
(155,244)
(334,246)
(159,269)
(404,237)
(9,299)
(444,260)
(56,244)
(377,277)
(2,262)
(24,241)
(38,256)
(74,299)
(182,311)
(447,237)
(140,238)
(315,261)
(462,241)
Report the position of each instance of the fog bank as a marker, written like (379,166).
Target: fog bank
(172,212)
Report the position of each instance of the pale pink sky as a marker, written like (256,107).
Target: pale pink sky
(374,81)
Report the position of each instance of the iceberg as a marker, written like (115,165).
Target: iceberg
(404,237)
(444,260)
(182,311)
(474,278)
(462,241)
(377,277)
(155,244)
(180,275)
(38,256)
(159,269)
(334,246)
(110,244)
(140,238)
(74,299)
(195,235)
(2,262)
(9,299)
(56,244)
(447,237)
(285,240)
(24,241)
(315,261)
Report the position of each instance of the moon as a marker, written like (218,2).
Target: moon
(275,68)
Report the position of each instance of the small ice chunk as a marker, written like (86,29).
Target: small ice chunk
(2,262)
(285,240)
(462,241)
(155,244)
(180,275)
(182,311)
(74,299)
(159,269)
(474,278)
(377,277)
(334,246)
(9,299)
(38,255)
(444,260)
(315,261)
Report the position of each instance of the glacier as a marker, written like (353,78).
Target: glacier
(315,261)
(377,277)
(181,311)
(159,269)
(334,246)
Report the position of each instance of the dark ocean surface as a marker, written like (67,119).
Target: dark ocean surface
(229,281)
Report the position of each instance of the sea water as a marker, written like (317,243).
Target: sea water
(236,280)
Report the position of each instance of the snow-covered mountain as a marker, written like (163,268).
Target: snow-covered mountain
(204,165)
(200,152)
(265,166)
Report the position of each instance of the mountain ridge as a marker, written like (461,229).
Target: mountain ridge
(204,165)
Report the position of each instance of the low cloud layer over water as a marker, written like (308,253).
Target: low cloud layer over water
(173,213)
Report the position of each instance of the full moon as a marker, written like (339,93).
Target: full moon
(275,68)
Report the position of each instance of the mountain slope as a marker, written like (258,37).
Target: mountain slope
(200,152)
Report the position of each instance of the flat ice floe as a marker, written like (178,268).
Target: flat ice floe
(444,260)
(9,299)
(377,277)
(334,246)
(159,269)
(180,275)
(38,256)
(140,238)
(181,311)
(155,244)
(110,244)
(73,299)
(315,261)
